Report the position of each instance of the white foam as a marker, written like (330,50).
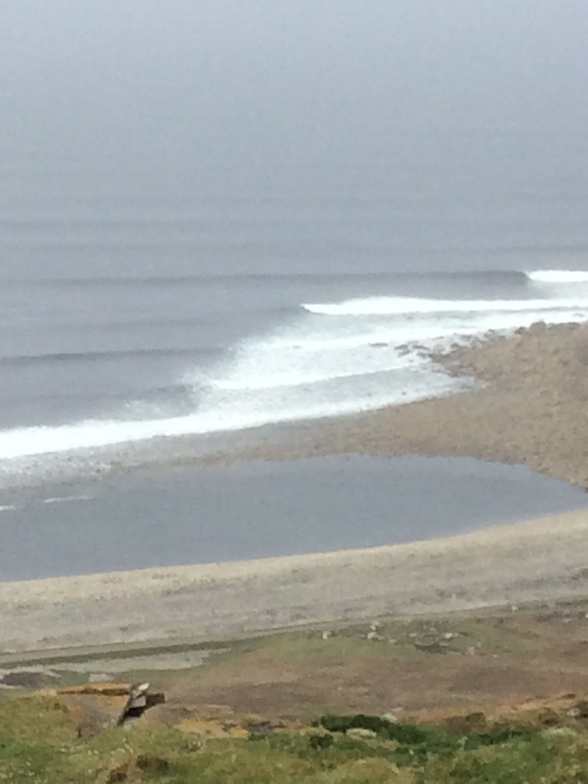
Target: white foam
(64,499)
(374,353)
(558,276)
(292,380)
(278,364)
(397,306)
(89,435)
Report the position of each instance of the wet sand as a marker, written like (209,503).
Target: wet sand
(542,560)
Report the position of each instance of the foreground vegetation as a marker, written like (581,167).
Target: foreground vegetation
(39,742)
(486,697)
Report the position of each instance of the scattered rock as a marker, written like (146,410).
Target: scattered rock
(579,710)
(97,677)
(360,733)
(139,701)
(392,717)
(374,636)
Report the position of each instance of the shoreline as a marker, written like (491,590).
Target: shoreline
(529,407)
(539,560)
(525,402)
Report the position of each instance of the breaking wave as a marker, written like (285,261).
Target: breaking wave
(406,306)
(558,276)
(328,358)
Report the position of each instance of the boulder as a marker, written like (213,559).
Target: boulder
(361,733)
(98,706)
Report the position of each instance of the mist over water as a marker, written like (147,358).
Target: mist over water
(216,215)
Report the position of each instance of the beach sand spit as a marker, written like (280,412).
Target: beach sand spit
(541,560)
(530,407)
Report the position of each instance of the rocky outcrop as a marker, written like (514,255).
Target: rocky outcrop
(98,706)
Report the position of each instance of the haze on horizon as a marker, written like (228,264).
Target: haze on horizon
(281,90)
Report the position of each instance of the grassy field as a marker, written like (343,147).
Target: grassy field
(493,696)
(39,743)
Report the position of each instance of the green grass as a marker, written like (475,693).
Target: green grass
(39,743)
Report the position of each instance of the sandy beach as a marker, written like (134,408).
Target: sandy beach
(529,408)
(538,560)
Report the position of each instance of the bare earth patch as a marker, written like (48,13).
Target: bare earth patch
(497,658)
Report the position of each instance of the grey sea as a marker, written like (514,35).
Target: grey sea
(142,311)
(139,303)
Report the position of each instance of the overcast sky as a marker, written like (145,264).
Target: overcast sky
(302,78)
